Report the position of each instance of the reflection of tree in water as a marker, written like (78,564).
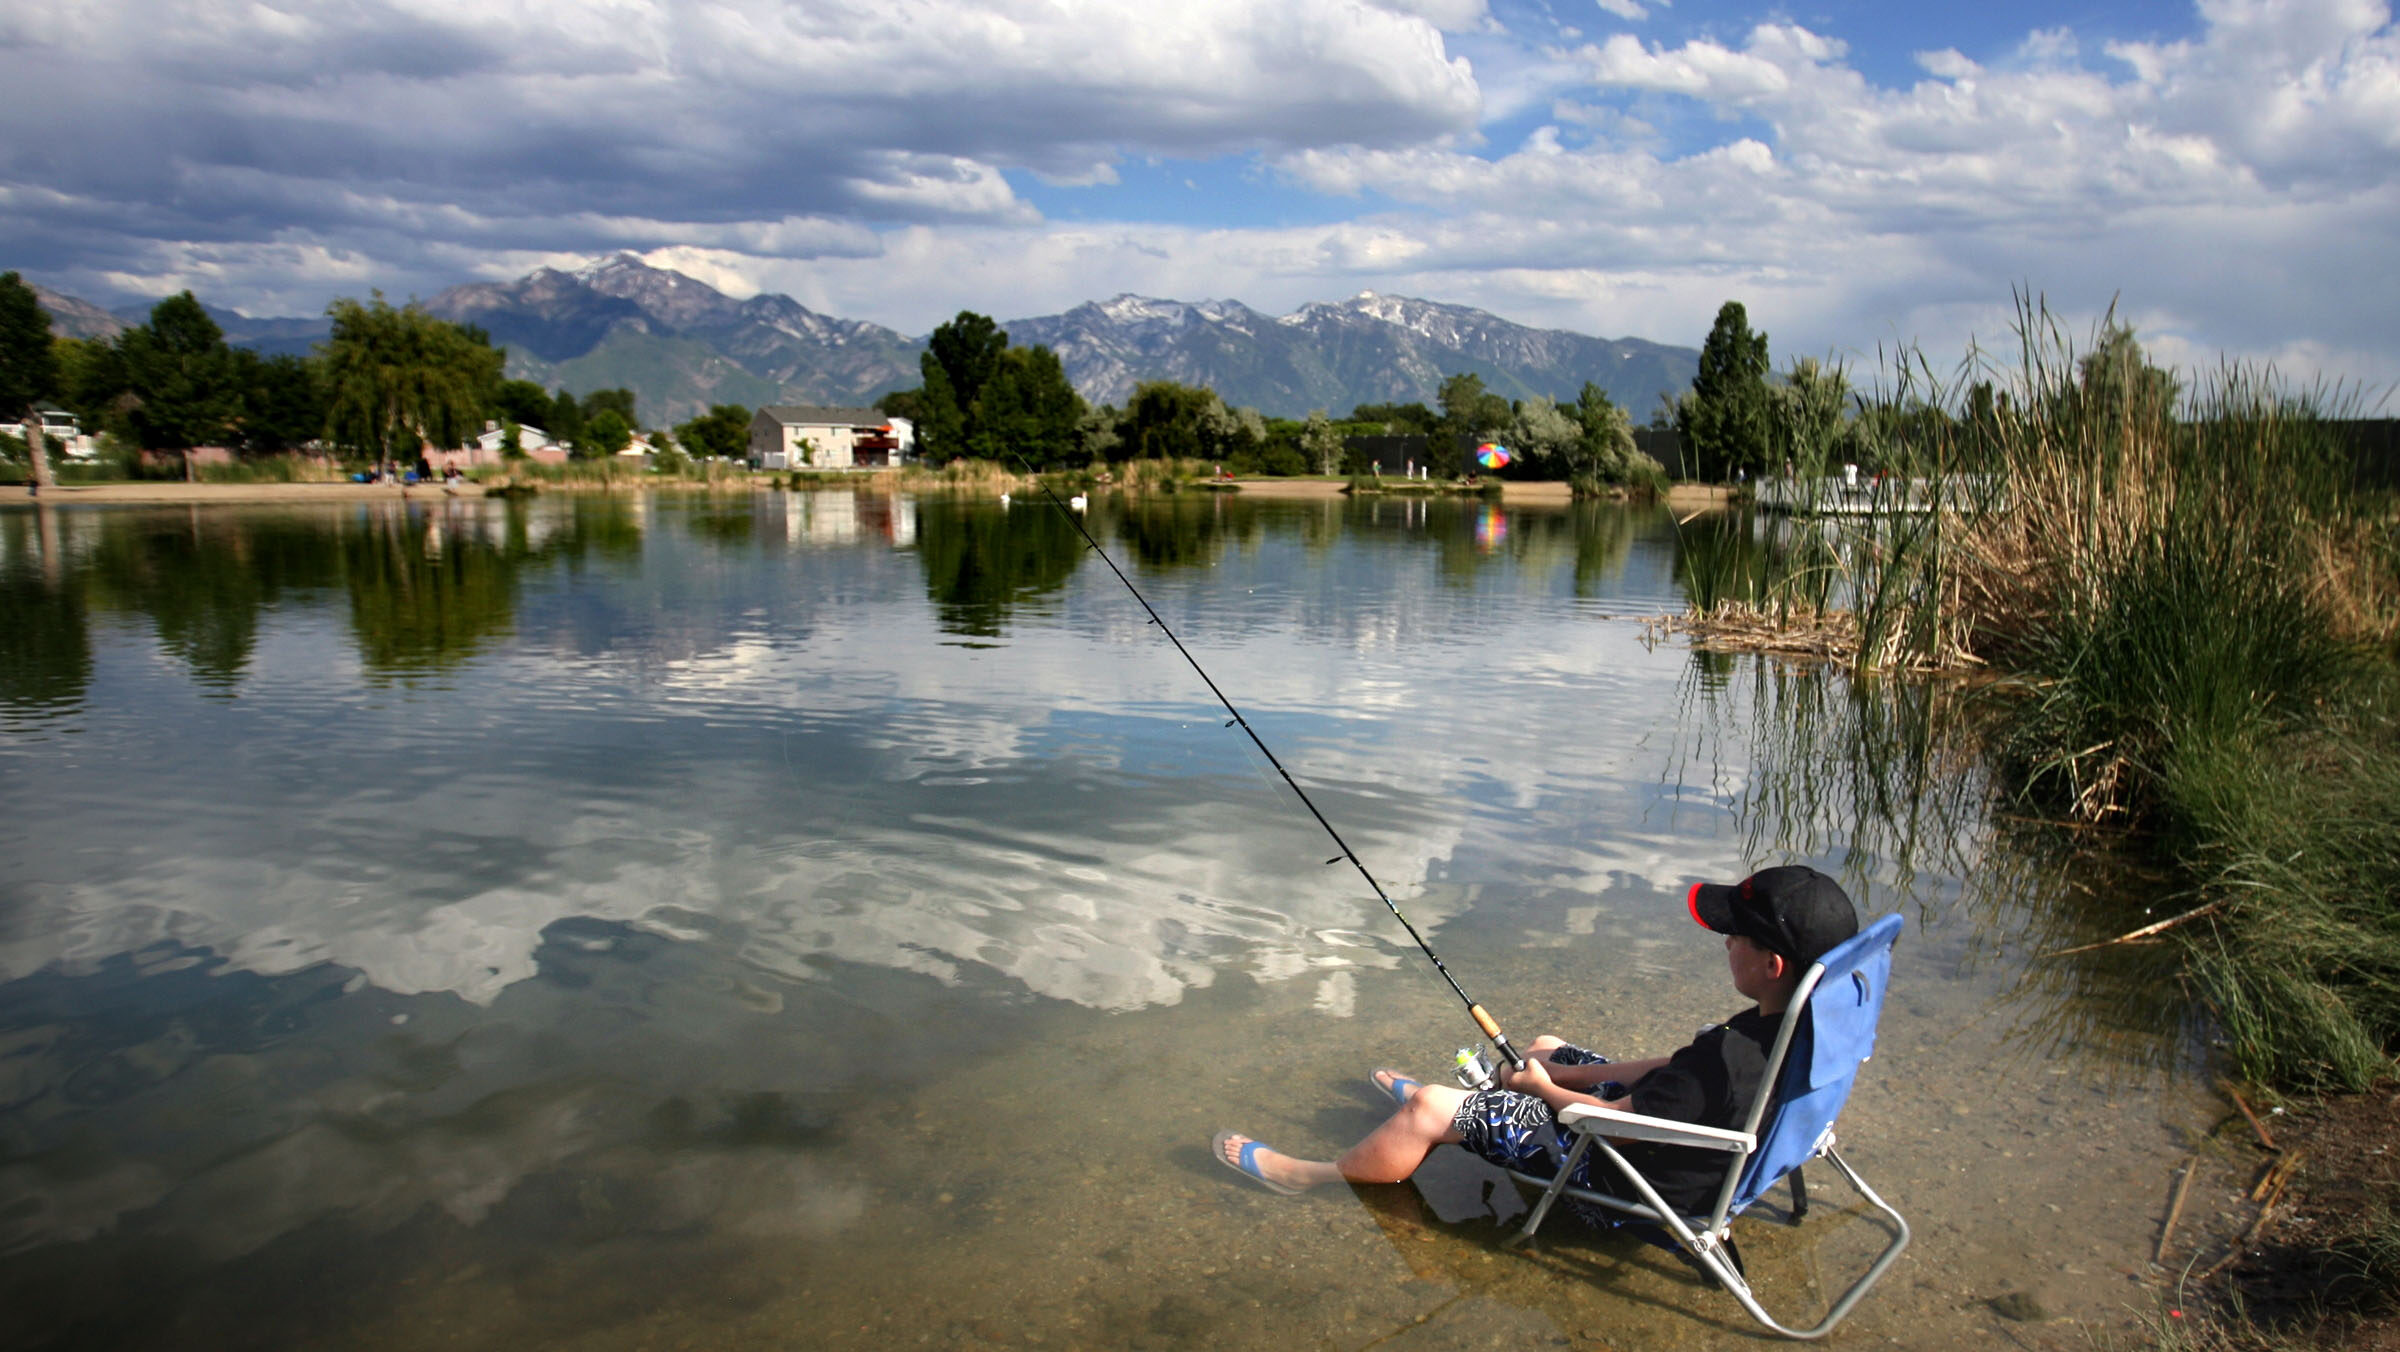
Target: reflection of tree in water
(1892,774)
(726,520)
(1183,531)
(203,578)
(980,563)
(1603,533)
(46,658)
(420,600)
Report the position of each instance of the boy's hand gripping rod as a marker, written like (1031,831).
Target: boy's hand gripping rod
(1483,1020)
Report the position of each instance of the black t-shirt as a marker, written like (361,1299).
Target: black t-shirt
(1712,1083)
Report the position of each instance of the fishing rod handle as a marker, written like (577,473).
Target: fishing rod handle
(1491,1029)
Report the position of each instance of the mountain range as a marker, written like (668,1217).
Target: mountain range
(681,345)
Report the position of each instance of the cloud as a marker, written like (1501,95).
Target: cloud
(403,129)
(2238,183)
(894,161)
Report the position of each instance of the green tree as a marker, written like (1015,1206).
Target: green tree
(1026,409)
(2118,380)
(968,350)
(606,434)
(182,378)
(1166,421)
(1544,437)
(722,431)
(28,365)
(1470,414)
(399,379)
(1606,450)
(521,402)
(1320,443)
(1725,420)
(618,401)
(959,358)
(1398,419)
(1808,426)
(565,422)
(282,405)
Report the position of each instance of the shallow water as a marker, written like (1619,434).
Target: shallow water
(735,921)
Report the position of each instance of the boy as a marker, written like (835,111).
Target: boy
(1777,923)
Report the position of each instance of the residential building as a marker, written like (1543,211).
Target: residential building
(794,436)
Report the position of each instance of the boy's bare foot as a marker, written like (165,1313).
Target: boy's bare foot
(1267,1167)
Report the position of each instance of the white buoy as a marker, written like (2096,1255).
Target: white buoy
(1004,499)
(1077,502)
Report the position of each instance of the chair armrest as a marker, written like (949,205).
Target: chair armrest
(1619,1126)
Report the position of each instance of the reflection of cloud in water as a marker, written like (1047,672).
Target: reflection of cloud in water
(1066,808)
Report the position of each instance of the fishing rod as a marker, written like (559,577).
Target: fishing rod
(1483,1019)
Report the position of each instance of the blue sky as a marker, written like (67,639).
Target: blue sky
(1858,174)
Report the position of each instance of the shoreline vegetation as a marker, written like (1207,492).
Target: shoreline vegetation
(2181,617)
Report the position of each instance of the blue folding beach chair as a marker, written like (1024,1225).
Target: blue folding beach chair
(1826,1034)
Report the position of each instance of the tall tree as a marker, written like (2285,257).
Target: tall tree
(1606,450)
(605,434)
(1321,444)
(1808,425)
(959,358)
(1724,422)
(28,365)
(281,408)
(1544,436)
(1028,409)
(723,431)
(565,420)
(968,350)
(1470,413)
(399,379)
(182,378)
(619,400)
(522,402)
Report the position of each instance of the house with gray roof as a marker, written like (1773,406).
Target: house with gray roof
(795,436)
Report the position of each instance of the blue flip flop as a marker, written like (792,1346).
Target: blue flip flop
(1247,1165)
(1399,1090)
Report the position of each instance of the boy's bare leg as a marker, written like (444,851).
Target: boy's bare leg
(1389,1153)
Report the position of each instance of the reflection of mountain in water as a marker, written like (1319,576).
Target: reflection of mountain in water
(738,718)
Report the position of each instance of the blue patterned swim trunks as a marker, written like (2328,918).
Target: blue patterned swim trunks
(1518,1131)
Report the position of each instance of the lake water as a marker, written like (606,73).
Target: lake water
(826,920)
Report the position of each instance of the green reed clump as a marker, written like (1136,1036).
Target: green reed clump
(2186,584)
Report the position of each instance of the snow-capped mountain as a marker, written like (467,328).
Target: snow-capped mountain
(681,344)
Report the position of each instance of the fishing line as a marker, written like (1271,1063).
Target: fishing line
(1483,1020)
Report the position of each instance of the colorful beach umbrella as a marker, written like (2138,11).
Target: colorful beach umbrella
(1492,455)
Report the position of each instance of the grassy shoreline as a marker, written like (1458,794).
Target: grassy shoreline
(2186,614)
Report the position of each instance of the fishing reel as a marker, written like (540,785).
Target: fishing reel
(1473,1069)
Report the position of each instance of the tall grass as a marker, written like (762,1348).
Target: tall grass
(2195,612)
(2196,602)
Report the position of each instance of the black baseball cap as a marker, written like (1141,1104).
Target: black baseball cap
(1793,910)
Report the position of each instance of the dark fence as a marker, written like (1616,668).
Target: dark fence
(2374,450)
(1665,445)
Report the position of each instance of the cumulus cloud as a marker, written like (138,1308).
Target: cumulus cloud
(2184,174)
(134,129)
(892,159)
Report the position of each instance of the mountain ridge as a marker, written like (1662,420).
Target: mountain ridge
(681,345)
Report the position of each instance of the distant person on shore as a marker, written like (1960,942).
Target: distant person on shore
(1777,923)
